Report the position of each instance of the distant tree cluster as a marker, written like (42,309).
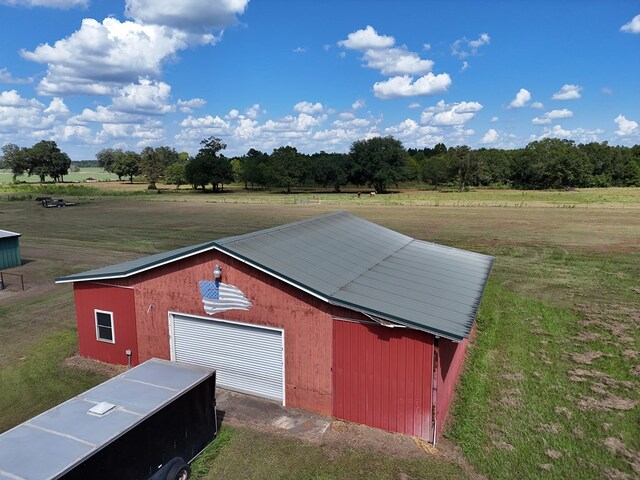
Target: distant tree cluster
(548,163)
(377,163)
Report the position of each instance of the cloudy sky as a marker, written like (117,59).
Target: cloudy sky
(317,75)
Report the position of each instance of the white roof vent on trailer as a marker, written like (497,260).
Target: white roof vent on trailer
(101,409)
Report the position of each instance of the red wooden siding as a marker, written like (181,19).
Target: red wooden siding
(308,327)
(382,377)
(120,301)
(450,364)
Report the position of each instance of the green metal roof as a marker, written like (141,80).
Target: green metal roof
(351,262)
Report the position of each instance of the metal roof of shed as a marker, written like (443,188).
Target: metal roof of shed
(50,444)
(7,234)
(351,262)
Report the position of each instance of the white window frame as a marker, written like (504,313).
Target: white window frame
(113,330)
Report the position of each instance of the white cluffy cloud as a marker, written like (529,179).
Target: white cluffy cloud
(380,53)
(189,15)
(6,77)
(552,115)
(450,114)
(568,92)
(405,86)
(396,61)
(367,38)
(579,135)
(633,26)
(490,137)
(187,106)
(521,99)
(625,127)
(89,61)
(46,3)
(308,108)
(464,47)
(146,97)
(20,117)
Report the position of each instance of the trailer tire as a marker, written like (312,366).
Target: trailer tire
(179,471)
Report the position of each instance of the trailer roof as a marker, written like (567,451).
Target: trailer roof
(348,261)
(55,441)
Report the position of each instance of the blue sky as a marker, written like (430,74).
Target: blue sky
(317,75)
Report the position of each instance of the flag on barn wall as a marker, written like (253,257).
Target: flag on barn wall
(219,297)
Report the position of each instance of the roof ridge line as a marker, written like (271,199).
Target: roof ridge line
(278,228)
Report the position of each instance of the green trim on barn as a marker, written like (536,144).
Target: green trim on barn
(9,249)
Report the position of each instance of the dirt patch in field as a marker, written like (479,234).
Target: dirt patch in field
(608,402)
(549,428)
(587,357)
(615,319)
(563,411)
(615,474)
(538,331)
(555,454)
(587,337)
(504,446)
(542,355)
(511,397)
(581,375)
(94,366)
(615,446)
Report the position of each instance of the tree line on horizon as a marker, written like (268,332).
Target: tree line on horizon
(377,163)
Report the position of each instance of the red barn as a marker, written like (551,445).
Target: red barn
(335,314)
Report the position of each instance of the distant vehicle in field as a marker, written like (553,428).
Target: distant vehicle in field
(147,423)
(49,202)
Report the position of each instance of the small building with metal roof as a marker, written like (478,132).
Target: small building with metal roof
(9,249)
(333,314)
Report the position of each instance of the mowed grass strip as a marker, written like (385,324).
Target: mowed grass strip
(249,454)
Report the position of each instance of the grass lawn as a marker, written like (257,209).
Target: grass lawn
(85,173)
(247,454)
(551,385)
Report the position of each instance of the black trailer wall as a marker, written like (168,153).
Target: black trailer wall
(181,429)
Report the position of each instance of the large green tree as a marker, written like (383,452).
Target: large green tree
(14,158)
(107,158)
(252,168)
(465,166)
(154,161)
(287,168)
(45,159)
(330,169)
(378,162)
(209,167)
(127,164)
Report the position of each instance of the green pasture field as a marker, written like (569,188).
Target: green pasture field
(551,386)
(96,173)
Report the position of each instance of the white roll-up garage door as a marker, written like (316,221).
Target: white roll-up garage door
(247,358)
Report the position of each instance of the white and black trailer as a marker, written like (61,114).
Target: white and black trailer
(147,423)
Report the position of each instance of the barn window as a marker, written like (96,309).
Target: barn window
(104,326)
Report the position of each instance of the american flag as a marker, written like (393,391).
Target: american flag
(219,297)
